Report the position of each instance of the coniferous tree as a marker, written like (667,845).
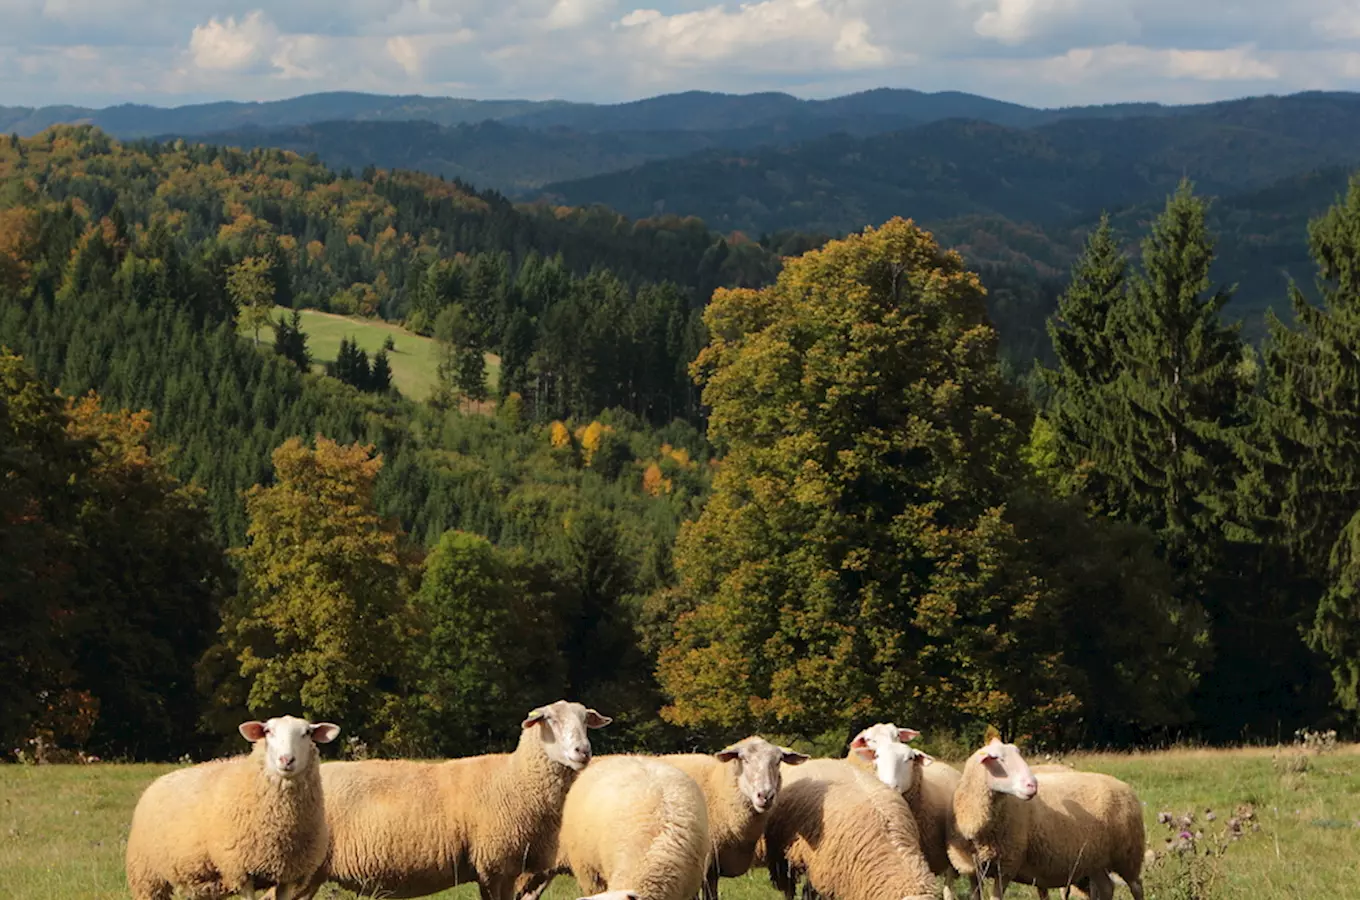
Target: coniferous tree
(1311,465)
(1168,441)
(290,341)
(1176,403)
(1084,345)
(380,376)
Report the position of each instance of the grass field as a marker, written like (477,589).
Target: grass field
(415,361)
(62,828)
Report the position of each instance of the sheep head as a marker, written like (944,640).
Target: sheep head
(757,768)
(562,729)
(885,745)
(289,742)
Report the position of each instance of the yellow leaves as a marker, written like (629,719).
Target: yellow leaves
(316,251)
(592,437)
(679,454)
(559,436)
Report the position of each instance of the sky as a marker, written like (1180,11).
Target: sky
(1038,52)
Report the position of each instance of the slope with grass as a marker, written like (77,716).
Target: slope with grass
(62,828)
(414,358)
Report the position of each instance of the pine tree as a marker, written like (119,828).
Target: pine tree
(1086,356)
(380,376)
(1168,439)
(1311,465)
(290,341)
(1177,400)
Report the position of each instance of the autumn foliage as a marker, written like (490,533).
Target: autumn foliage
(858,558)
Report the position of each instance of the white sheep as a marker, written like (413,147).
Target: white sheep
(741,786)
(235,826)
(925,783)
(850,835)
(1064,829)
(402,828)
(633,825)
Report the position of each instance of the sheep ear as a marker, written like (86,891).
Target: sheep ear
(595,720)
(727,754)
(860,740)
(251,731)
(324,732)
(907,734)
(793,757)
(865,752)
(927,759)
(537,715)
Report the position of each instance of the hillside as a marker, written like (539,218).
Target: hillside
(876,110)
(414,358)
(1051,174)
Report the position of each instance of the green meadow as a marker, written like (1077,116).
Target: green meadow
(63,828)
(414,360)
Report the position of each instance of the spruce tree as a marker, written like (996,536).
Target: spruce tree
(380,376)
(1176,399)
(1087,363)
(1311,431)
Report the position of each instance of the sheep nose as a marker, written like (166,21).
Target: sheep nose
(285,761)
(765,797)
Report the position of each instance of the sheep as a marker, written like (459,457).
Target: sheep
(634,825)
(741,786)
(237,825)
(852,836)
(402,828)
(925,783)
(1064,829)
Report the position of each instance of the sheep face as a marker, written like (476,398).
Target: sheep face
(757,769)
(563,731)
(1007,771)
(885,745)
(289,743)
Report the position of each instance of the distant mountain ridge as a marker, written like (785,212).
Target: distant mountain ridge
(687,111)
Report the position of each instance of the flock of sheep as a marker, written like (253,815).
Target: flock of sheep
(886,823)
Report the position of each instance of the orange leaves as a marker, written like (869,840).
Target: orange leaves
(18,245)
(654,483)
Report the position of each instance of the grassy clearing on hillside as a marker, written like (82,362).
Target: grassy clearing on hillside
(415,362)
(63,828)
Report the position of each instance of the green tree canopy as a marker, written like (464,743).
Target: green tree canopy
(856,556)
(251,286)
(320,583)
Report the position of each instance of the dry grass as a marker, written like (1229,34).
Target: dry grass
(62,828)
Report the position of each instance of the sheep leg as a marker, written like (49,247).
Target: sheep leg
(709,890)
(1101,887)
(1135,887)
(532,887)
(497,887)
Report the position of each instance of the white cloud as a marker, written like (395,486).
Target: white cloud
(575,13)
(1235,64)
(774,33)
(1044,52)
(228,45)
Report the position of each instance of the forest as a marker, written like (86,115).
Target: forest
(720,485)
